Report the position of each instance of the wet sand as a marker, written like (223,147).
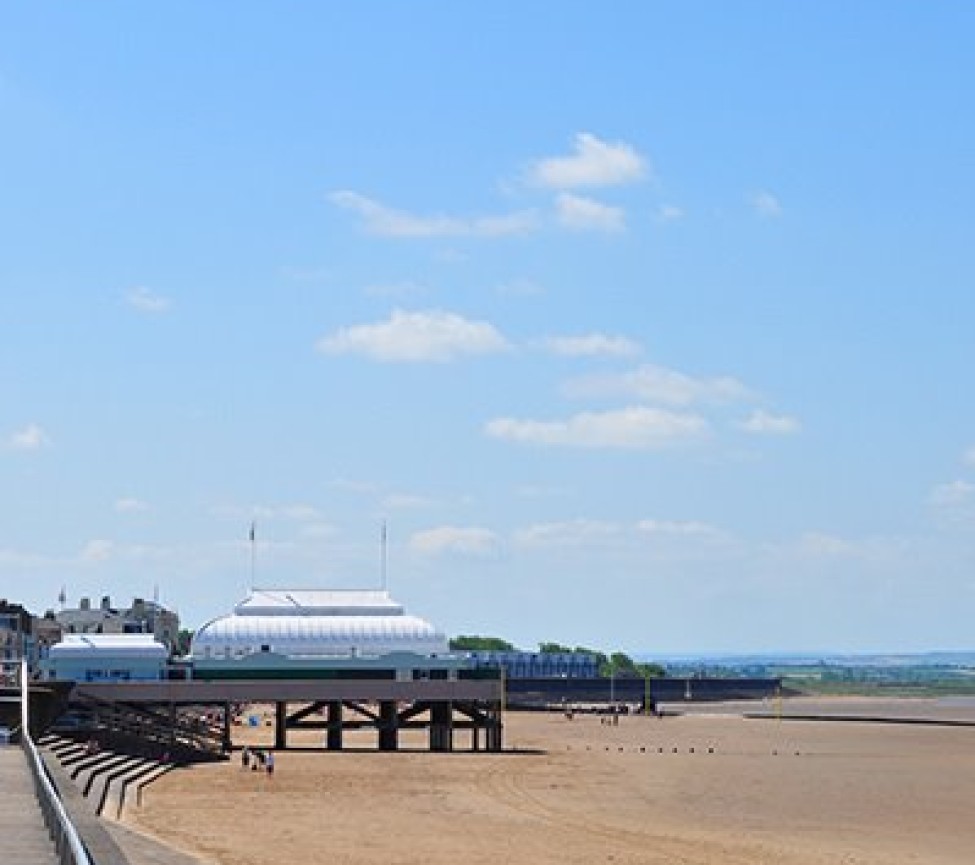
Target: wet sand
(708,788)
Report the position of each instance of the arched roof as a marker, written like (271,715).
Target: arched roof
(115,645)
(302,623)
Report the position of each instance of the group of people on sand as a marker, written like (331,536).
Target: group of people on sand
(257,759)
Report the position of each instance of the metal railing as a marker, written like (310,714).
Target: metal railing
(179,731)
(70,849)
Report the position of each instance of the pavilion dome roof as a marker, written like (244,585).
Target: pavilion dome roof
(306,623)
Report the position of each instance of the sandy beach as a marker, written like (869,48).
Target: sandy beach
(698,789)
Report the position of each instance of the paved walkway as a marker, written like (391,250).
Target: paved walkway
(24,839)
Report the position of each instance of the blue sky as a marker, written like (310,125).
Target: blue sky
(643,326)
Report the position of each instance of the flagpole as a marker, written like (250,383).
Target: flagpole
(253,552)
(382,569)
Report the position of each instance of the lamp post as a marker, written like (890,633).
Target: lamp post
(24,710)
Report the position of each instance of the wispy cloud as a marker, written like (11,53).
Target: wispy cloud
(31,438)
(594,163)
(98,550)
(431,335)
(953,494)
(520,288)
(658,384)
(765,204)
(147,301)
(633,428)
(762,423)
(473,541)
(968,458)
(401,291)
(405,501)
(303,273)
(300,513)
(570,533)
(386,221)
(669,213)
(591,345)
(130,506)
(353,485)
(586,214)
(678,528)
(954,503)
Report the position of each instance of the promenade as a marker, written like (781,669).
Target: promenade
(24,838)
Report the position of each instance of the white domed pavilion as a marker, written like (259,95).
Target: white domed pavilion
(315,624)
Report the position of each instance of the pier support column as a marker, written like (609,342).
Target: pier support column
(442,726)
(494,731)
(333,736)
(388,726)
(281,725)
(228,743)
(173,719)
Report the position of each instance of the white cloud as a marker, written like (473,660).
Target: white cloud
(953,494)
(954,504)
(400,290)
(819,544)
(301,513)
(571,533)
(586,214)
(520,288)
(678,528)
(146,300)
(31,438)
(634,428)
(388,222)
(669,213)
(316,531)
(432,335)
(763,423)
(130,506)
(658,384)
(594,163)
(97,551)
(454,539)
(301,273)
(592,345)
(765,204)
(352,485)
(405,501)
(534,491)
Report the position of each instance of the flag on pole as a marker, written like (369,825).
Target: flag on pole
(253,526)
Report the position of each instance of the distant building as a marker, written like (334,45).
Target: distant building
(142,617)
(16,638)
(106,658)
(538,665)
(47,632)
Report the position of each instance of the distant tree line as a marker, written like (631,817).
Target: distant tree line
(616,664)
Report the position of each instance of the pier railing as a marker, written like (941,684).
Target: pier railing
(70,849)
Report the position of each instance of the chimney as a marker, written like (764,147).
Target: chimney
(85,604)
(106,602)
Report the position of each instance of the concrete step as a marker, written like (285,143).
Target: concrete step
(24,838)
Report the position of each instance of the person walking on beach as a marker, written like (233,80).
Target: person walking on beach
(245,757)
(269,763)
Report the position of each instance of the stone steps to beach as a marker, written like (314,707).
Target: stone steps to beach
(24,838)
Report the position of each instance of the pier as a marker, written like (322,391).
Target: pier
(440,707)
